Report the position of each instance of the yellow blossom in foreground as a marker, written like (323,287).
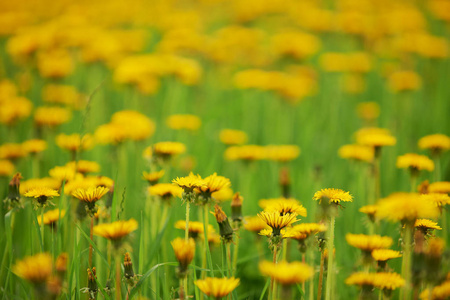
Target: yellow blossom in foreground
(435,142)
(406,207)
(368,242)
(189,122)
(385,254)
(41,192)
(233,137)
(217,287)
(6,167)
(442,187)
(357,152)
(415,162)
(165,190)
(215,183)
(51,116)
(116,230)
(436,198)
(190,182)
(47,182)
(36,268)
(287,207)
(184,250)
(426,225)
(286,273)
(91,194)
(254,224)
(276,221)
(333,196)
(52,216)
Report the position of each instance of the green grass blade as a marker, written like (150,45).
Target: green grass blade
(102,256)
(135,289)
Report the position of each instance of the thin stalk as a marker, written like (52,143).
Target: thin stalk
(319,290)
(437,168)
(42,225)
(118,281)
(284,249)
(235,256)
(310,253)
(413,182)
(406,262)
(91,235)
(376,180)
(330,268)
(229,270)
(163,216)
(35,166)
(273,284)
(186,230)
(181,290)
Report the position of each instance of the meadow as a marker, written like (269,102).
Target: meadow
(290,129)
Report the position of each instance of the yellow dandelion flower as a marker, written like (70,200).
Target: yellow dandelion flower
(52,216)
(277,221)
(388,281)
(189,122)
(435,247)
(357,152)
(51,116)
(284,233)
(415,162)
(61,262)
(184,251)
(215,183)
(286,273)
(304,230)
(75,142)
(116,230)
(34,146)
(12,151)
(375,137)
(439,292)
(368,110)
(110,133)
(223,194)
(84,166)
(406,207)
(135,125)
(400,81)
(369,210)
(435,142)
(63,173)
(190,182)
(217,287)
(91,194)
(245,152)
(442,187)
(36,269)
(233,137)
(282,152)
(6,168)
(426,225)
(47,182)
(168,149)
(333,196)
(254,224)
(264,203)
(153,177)
(14,109)
(361,279)
(368,243)
(165,190)
(41,194)
(438,199)
(62,94)
(195,228)
(385,254)
(287,207)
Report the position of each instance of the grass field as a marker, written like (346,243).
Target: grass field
(297,80)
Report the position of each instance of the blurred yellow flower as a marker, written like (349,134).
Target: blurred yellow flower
(415,162)
(286,273)
(13,109)
(62,94)
(12,151)
(357,152)
(75,142)
(368,243)
(165,190)
(217,287)
(282,152)
(116,230)
(375,137)
(84,166)
(168,149)
(51,116)
(36,269)
(442,187)
(233,137)
(184,251)
(426,225)
(245,152)
(406,207)
(153,177)
(52,216)
(55,63)
(6,168)
(437,198)
(400,81)
(34,146)
(435,142)
(189,122)
(385,254)
(333,196)
(195,228)
(254,224)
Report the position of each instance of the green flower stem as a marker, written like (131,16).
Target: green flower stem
(91,235)
(42,225)
(319,289)
(310,254)
(330,272)
(229,268)
(413,182)
(406,262)
(186,230)
(273,284)
(181,290)
(235,253)
(437,168)
(118,277)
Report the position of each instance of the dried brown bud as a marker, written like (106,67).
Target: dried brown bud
(128,266)
(423,187)
(61,263)
(219,213)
